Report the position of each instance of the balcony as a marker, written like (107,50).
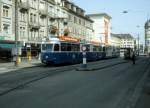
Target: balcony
(52,2)
(24,5)
(34,25)
(52,15)
(43,12)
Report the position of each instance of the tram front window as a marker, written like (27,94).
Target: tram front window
(47,47)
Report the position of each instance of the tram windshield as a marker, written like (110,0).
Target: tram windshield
(47,47)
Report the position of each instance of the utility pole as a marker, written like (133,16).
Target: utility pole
(16,34)
(138,44)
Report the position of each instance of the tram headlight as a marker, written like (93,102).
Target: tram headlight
(46,57)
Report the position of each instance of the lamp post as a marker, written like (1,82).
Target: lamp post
(138,40)
(16,34)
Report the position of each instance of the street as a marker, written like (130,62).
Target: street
(107,86)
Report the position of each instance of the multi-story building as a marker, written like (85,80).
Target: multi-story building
(124,40)
(147,37)
(79,25)
(6,30)
(102,27)
(42,19)
(127,41)
(115,40)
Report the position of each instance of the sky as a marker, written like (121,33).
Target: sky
(138,11)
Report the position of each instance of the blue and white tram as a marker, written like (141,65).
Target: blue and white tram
(61,52)
(57,52)
(111,51)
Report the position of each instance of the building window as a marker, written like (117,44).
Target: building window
(6,28)
(34,4)
(80,21)
(22,32)
(31,17)
(69,16)
(75,20)
(5,11)
(22,17)
(35,18)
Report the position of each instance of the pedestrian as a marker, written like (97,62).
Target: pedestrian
(133,58)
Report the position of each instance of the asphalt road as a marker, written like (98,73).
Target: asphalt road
(110,87)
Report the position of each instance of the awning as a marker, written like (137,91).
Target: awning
(7,46)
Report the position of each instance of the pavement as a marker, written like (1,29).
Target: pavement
(144,100)
(111,87)
(10,66)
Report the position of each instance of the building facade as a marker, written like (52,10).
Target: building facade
(147,37)
(45,19)
(102,28)
(7,36)
(124,40)
(40,20)
(79,25)
(115,40)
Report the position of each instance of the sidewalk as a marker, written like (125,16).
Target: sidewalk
(10,66)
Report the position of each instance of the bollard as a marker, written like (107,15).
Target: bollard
(29,56)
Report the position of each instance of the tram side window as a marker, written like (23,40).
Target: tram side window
(75,47)
(104,48)
(68,47)
(63,47)
(56,47)
(100,48)
(94,48)
(87,48)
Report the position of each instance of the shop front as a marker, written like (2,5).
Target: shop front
(7,43)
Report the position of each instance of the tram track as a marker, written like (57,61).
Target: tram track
(7,86)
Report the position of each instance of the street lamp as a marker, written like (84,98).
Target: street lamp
(138,40)
(16,34)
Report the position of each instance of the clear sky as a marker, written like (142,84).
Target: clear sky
(138,13)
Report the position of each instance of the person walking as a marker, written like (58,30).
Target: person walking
(133,58)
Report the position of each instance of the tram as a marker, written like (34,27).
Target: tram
(69,50)
(126,53)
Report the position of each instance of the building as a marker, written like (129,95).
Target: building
(147,37)
(125,40)
(41,20)
(102,27)
(79,25)
(7,36)
(44,19)
(115,40)
(141,48)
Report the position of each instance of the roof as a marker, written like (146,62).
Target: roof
(115,35)
(123,36)
(147,24)
(100,14)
